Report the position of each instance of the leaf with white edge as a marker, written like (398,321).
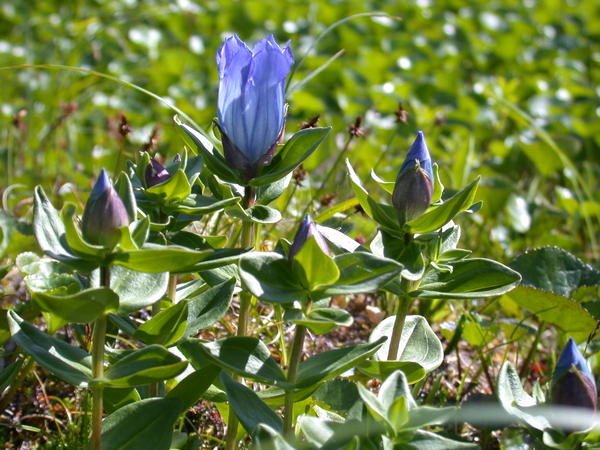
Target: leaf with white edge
(294,152)
(439,215)
(246,356)
(470,278)
(418,343)
(326,365)
(515,400)
(146,365)
(69,363)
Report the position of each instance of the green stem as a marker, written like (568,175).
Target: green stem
(524,373)
(246,240)
(404,303)
(98,338)
(292,374)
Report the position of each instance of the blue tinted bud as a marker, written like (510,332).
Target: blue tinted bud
(414,184)
(155,174)
(251,108)
(104,214)
(307,229)
(572,381)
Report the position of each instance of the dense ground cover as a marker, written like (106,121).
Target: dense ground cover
(507,91)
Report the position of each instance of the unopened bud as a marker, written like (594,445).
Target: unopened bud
(104,214)
(155,174)
(414,184)
(307,229)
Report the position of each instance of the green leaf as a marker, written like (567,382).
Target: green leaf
(82,307)
(555,270)
(154,258)
(269,277)
(166,327)
(566,314)
(171,191)
(75,241)
(439,215)
(246,356)
(320,320)
(8,374)
(360,272)
(425,440)
(189,390)
(267,193)
(136,290)
(326,365)
(208,307)
(515,400)
(69,363)
(214,161)
(340,394)
(49,232)
(314,267)
(125,191)
(470,278)
(257,214)
(382,369)
(147,365)
(294,152)
(394,387)
(115,398)
(196,204)
(419,344)
(137,426)
(248,407)
(384,215)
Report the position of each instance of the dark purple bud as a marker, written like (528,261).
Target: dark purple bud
(414,184)
(572,381)
(307,229)
(155,174)
(104,214)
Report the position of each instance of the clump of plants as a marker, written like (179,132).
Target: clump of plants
(140,284)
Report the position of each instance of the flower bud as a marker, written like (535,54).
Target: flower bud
(414,184)
(104,214)
(155,174)
(251,107)
(572,381)
(307,229)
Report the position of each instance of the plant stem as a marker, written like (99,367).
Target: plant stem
(98,338)
(404,303)
(525,369)
(246,240)
(295,355)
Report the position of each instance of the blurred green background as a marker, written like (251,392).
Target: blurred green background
(508,90)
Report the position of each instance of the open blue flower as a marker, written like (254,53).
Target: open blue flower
(251,108)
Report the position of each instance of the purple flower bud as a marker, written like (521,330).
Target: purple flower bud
(572,381)
(307,229)
(155,174)
(104,214)
(414,184)
(251,107)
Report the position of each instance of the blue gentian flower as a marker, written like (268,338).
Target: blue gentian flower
(307,229)
(414,184)
(251,108)
(104,214)
(572,381)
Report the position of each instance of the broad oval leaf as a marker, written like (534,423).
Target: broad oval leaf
(166,327)
(418,343)
(154,258)
(320,320)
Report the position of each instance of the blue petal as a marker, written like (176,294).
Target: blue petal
(251,93)
(102,184)
(418,152)
(571,356)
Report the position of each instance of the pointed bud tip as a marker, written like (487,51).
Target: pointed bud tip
(103,183)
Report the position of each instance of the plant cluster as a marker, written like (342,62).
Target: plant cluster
(139,284)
